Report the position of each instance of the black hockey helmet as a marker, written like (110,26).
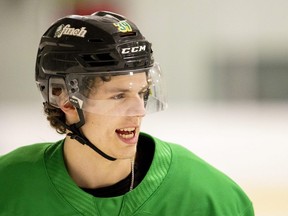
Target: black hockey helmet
(101,43)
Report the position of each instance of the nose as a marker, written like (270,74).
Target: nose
(136,107)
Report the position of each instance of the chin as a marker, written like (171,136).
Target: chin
(128,153)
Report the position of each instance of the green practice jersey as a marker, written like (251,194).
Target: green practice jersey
(34,181)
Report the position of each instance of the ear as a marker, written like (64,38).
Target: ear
(70,112)
(67,107)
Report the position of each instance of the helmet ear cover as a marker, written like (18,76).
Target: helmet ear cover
(58,94)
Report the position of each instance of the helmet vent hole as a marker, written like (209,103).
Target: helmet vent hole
(99,59)
(128,34)
(104,57)
(41,87)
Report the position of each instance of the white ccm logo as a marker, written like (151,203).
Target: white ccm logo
(133,49)
(67,30)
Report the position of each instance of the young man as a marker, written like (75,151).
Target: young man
(98,78)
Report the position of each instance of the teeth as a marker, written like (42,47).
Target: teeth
(127,136)
(126,133)
(127,129)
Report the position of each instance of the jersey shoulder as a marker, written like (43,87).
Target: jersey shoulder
(197,170)
(22,162)
(23,155)
(196,181)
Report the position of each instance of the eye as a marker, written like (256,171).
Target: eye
(145,94)
(118,96)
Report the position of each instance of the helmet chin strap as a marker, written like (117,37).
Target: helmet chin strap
(80,137)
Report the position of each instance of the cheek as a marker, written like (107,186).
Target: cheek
(96,132)
(99,124)
(91,123)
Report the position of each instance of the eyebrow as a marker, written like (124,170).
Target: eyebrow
(116,89)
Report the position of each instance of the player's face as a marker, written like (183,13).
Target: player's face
(116,133)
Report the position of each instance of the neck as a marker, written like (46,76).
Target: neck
(89,169)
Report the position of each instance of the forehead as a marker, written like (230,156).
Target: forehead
(129,81)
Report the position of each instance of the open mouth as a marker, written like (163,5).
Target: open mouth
(126,133)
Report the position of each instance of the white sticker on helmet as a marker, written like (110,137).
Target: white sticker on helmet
(68,30)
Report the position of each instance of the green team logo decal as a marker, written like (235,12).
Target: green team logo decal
(123,26)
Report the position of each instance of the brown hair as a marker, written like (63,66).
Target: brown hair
(56,116)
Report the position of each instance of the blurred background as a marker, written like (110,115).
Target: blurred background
(226,68)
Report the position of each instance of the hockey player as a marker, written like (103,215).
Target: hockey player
(98,79)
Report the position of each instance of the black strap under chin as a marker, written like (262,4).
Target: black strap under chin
(77,135)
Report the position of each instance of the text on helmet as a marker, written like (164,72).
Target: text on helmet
(67,30)
(123,26)
(134,49)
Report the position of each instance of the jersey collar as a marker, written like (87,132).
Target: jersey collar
(126,204)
